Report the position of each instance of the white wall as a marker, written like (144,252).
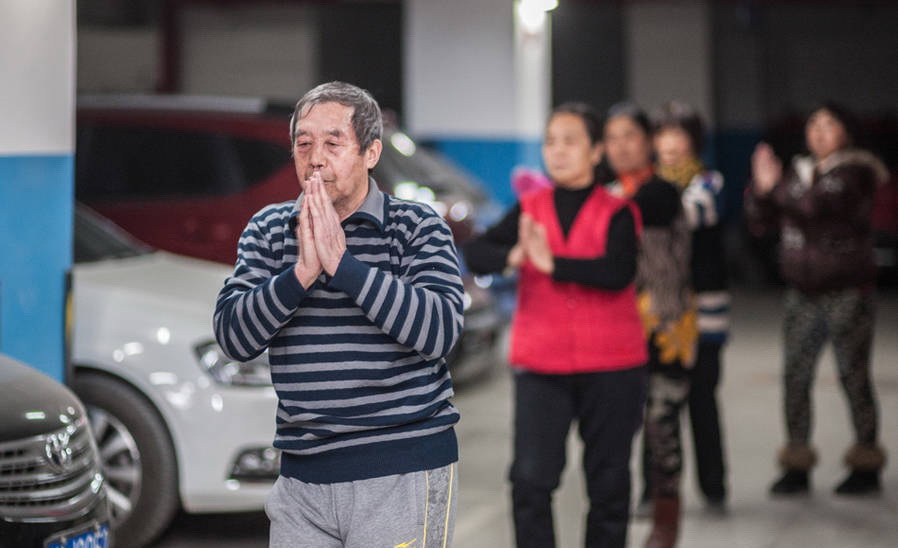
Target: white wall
(459,68)
(37,74)
(262,51)
(533,77)
(118,60)
(265,51)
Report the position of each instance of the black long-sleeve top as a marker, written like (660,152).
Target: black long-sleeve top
(612,271)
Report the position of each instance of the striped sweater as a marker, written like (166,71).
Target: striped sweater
(357,360)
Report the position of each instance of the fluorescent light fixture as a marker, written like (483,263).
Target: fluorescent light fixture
(532,13)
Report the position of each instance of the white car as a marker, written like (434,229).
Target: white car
(178,424)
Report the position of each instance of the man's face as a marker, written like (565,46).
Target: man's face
(326,143)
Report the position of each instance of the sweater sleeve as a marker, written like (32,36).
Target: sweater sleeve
(612,271)
(422,308)
(488,252)
(257,300)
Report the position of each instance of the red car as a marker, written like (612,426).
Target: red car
(185,174)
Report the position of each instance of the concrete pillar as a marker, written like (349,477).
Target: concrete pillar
(477,85)
(668,53)
(37,67)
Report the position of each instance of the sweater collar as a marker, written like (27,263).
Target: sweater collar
(371,210)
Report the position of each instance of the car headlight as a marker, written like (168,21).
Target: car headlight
(257,464)
(224,370)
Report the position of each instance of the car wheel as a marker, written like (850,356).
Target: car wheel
(137,456)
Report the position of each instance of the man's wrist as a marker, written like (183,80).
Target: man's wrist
(305,276)
(350,276)
(336,264)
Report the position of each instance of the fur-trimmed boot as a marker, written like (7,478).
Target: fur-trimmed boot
(797,461)
(665,522)
(866,463)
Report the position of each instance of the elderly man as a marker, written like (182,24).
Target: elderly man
(358,297)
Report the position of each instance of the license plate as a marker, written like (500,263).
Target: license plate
(95,537)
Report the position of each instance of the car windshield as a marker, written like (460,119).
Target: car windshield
(98,238)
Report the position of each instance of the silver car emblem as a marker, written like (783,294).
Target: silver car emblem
(58,452)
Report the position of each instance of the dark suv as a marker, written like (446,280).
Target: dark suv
(52,492)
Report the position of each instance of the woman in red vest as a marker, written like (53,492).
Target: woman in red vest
(577,345)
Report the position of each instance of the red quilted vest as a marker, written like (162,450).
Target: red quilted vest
(564,327)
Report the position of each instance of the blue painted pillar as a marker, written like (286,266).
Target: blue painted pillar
(477,84)
(37,71)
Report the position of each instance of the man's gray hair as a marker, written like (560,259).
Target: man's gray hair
(367,121)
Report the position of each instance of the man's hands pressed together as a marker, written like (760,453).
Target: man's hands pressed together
(308,267)
(322,242)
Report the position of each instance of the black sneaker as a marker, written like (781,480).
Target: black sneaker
(792,482)
(860,482)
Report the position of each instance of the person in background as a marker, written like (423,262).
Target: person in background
(666,307)
(822,208)
(577,346)
(678,139)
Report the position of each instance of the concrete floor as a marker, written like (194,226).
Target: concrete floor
(750,396)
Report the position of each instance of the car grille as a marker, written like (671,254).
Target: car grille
(50,477)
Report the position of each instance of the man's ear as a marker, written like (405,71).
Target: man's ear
(372,155)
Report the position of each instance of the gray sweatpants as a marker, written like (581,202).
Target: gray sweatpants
(415,510)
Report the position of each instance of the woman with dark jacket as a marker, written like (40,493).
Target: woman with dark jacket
(577,346)
(822,208)
(666,307)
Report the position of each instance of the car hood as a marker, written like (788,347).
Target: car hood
(178,280)
(32,403)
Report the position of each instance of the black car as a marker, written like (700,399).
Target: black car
(52,491)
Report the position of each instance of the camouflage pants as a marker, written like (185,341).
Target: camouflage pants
(846,318)
(668,394)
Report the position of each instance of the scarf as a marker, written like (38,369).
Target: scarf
(682,173)
(630,182)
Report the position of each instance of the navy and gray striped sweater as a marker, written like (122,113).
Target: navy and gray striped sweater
(358,359)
